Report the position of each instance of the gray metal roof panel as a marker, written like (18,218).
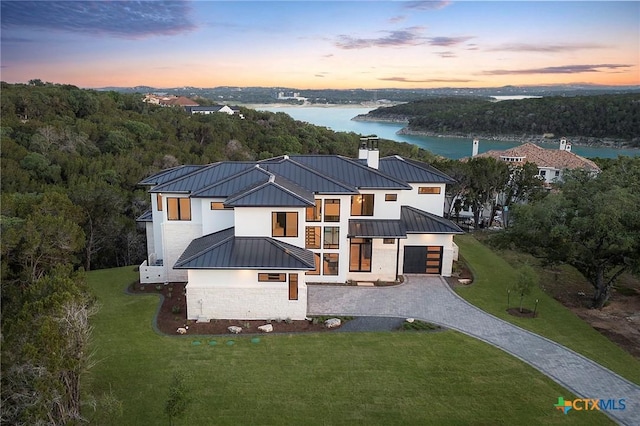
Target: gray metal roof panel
(420,222)
(168,175)
(412,171)
(234,184)
(145,217)
(377,228)
(306,177)
(270,194)
(204,177)
(221,251)
(351,172)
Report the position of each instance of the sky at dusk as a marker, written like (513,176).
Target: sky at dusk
(319,44)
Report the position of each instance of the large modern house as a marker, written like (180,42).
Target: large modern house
(247,237)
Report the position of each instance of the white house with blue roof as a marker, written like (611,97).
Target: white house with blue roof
(247,237)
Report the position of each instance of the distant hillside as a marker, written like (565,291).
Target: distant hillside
(596,117)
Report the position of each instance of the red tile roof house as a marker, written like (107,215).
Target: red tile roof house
(551,162)
(248,236)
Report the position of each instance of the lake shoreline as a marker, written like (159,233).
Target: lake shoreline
(523,138)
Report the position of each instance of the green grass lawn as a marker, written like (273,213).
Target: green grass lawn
(329,378)
(494,276)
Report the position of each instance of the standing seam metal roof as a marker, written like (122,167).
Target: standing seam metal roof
(234,184)
(420,222)
(350,172)
(169,175)
(222,250)
(306,177)
(377,228)
(412,171)
(204,177)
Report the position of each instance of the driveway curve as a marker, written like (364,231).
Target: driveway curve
(430,298)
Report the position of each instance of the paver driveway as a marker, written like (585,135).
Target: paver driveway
(430,298)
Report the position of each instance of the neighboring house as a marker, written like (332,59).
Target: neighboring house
(551,163)
(248,236)
(209,109)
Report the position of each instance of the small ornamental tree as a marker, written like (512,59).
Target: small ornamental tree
(526,280)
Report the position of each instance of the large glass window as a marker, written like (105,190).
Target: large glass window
(332,210)
(316,271)
(362,205)
(284,224)
(360,255)
(178,209)
(314,214)
(330,264)
(312,237)
(331,237)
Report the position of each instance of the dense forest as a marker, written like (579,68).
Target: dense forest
(94,147)
(601,116)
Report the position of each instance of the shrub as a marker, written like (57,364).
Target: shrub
(175,309)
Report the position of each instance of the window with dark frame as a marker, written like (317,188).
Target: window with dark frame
(331,237)
(284,224)
(362,205)
(159,201)
(391,197)
(388,241)
(429,190)
(314,214)
(268,277)
(332,210)
(178,208)
(219,205)
(293,286)
(330,264)
(316,271)
(312,238)
(360,255)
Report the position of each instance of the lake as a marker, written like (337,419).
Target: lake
(338,118)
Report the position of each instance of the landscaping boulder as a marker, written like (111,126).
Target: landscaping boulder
(410,320)
(332,322)
(234,329)
(267,328)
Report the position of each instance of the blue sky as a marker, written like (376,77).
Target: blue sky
(315,44)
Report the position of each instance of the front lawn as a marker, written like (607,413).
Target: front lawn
(329,378)
(494,276)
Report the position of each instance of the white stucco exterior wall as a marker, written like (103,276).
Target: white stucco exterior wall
(431,203)
(215,220)
(237,294)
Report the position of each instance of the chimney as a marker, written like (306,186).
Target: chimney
(362,151)
(563,144)
(568,148)
(373,155)
(476,144)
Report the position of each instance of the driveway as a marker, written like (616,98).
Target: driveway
(430,298)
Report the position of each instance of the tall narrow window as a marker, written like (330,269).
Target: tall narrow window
(159,200)
(332,210)
(316,271)
(331,237)
(314,214)
(360,255)
(330,264)
(284,224)
(293,286)
(312,237)
(178,209)
(362,205)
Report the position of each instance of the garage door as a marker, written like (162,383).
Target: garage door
(423,260)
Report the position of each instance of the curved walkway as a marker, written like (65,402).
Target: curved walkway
(431,299)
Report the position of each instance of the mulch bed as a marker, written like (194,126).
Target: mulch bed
(173,314)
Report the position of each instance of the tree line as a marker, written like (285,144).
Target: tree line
(70,163)
(599,116)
